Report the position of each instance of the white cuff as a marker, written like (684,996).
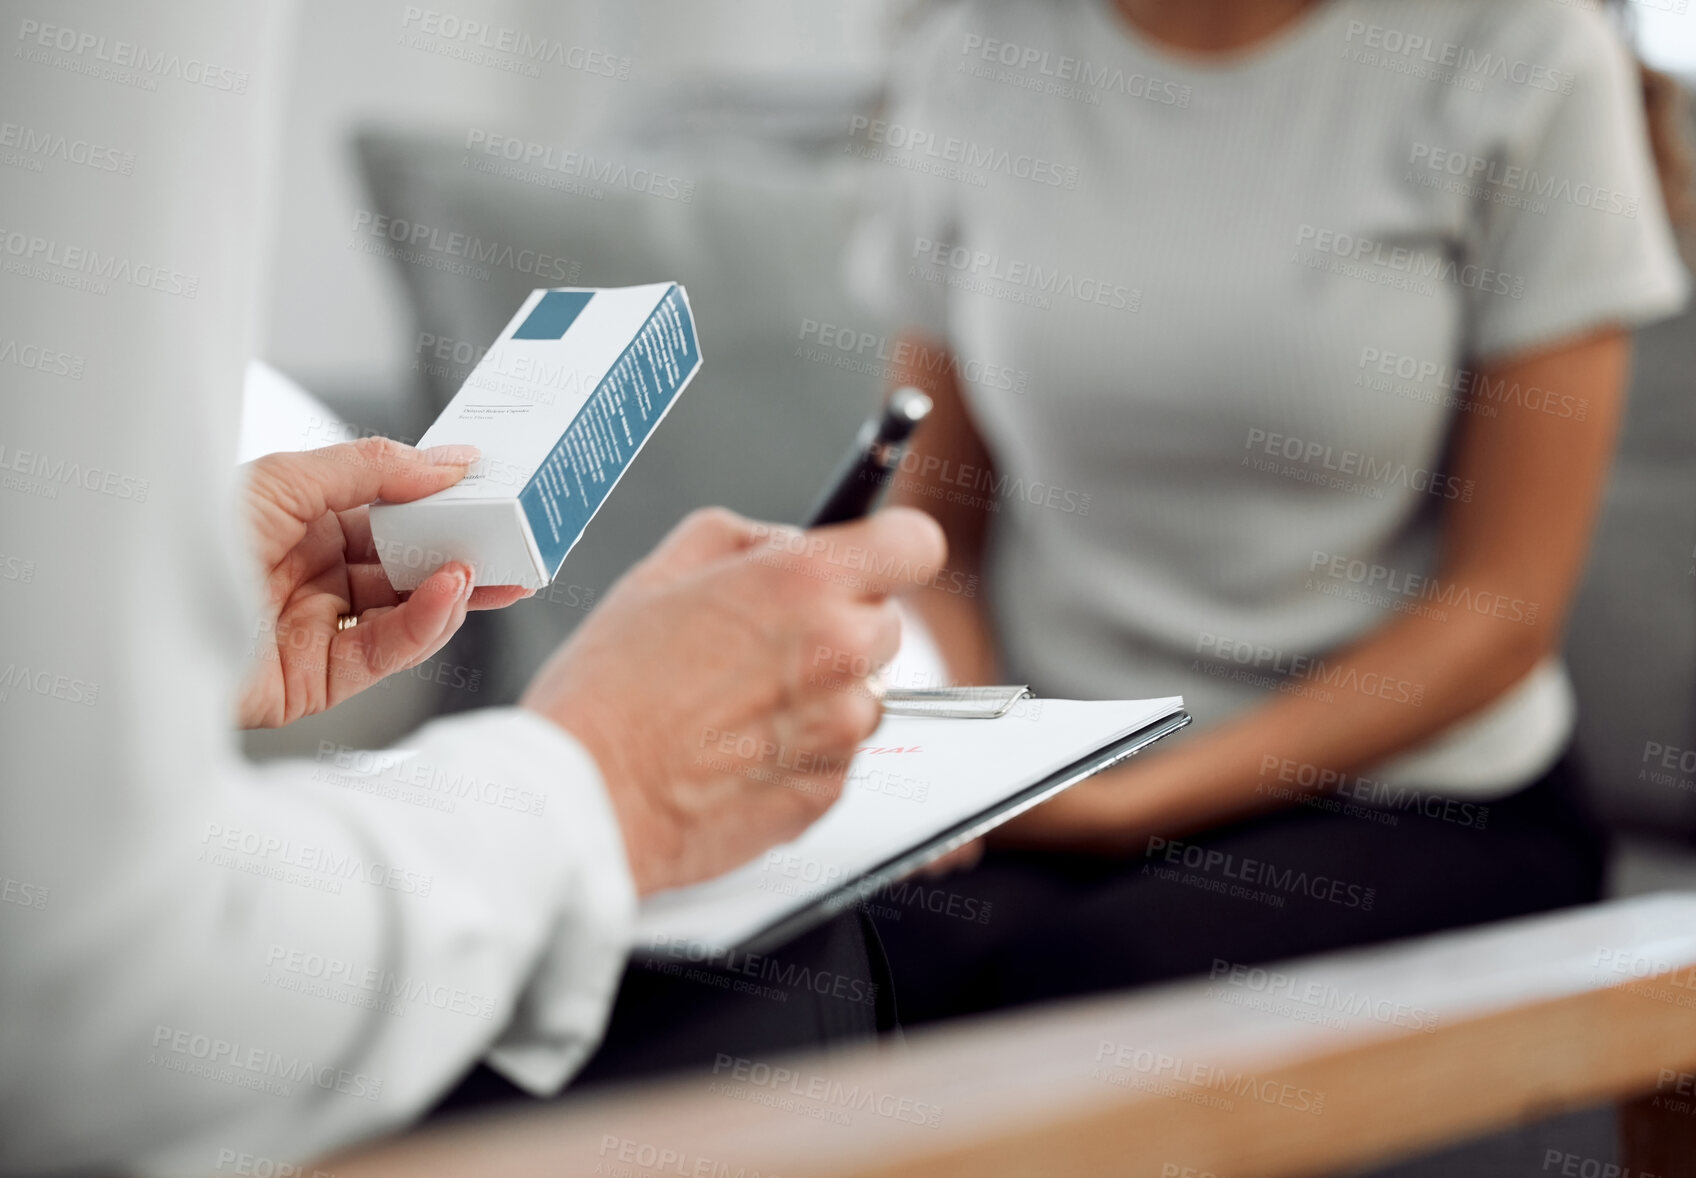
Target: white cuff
(561,1013)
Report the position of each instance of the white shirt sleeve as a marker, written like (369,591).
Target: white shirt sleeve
(1576,235)
(201,959)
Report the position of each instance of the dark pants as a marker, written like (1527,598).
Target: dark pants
(825,990)
(1025,927)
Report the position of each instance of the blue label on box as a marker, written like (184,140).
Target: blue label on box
(576,478)
(553,316)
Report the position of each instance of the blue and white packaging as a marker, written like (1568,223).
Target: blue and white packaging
(560,405)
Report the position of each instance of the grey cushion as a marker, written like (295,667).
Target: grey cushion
(1631,641)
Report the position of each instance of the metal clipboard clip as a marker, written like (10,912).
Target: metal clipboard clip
(954,703)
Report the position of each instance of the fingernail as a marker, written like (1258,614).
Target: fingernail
(467,581)
(459,579)
(455,455)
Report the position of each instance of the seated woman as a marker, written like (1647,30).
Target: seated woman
(1279,349)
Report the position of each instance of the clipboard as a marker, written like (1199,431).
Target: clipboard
(748,924)
(954,703)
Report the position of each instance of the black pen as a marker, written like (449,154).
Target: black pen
(869,466)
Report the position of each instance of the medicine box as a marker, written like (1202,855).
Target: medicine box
(559,406)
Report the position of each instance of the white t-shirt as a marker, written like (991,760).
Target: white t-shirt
(1216,322)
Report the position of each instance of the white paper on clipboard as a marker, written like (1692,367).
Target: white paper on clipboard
(917,788)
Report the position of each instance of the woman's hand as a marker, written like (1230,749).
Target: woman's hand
(1098,816)
(312,534)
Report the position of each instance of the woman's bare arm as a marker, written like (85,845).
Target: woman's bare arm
(1537,482)
(1536,485)
(931,480)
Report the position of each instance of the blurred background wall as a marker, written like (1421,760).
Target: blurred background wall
(339,321)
